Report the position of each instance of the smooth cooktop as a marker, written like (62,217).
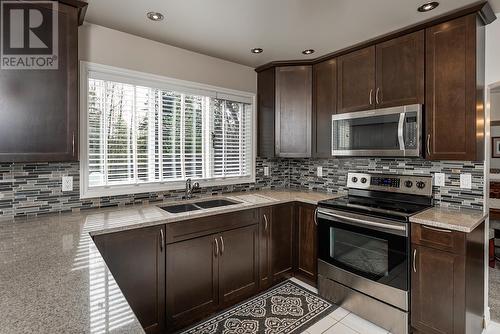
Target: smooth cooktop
(374,206)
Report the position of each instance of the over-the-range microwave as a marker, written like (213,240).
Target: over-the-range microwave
(389,132)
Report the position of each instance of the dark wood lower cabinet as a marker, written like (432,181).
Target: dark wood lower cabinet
(209,263)
(265,276)
(192,280)
(307,262)
(282,246)
(238,264)
(136,258)
(447,282)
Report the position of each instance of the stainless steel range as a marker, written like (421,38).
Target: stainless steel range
(364,246)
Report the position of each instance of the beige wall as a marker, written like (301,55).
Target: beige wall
(106,46)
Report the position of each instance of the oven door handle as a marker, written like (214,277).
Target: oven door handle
(364,222)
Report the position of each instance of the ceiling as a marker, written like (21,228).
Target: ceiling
(228,29)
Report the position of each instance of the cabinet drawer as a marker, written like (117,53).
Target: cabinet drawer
(438,238)
(198,227)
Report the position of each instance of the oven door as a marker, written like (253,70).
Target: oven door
(394,132)
(371,248)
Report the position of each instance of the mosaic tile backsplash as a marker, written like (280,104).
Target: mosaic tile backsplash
(33,189)
(303,175)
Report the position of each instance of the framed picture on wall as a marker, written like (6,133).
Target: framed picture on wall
(495,147)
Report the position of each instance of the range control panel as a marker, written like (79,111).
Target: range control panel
(406,184)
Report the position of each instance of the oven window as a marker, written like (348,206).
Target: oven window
(378,256)
(359,252)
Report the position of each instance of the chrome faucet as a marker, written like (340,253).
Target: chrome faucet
(191,188)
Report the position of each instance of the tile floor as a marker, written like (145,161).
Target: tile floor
(342,321)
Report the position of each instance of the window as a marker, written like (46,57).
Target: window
(143,133)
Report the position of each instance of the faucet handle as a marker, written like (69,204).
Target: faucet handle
(196,185)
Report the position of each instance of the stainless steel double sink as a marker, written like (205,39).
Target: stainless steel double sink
(202,204)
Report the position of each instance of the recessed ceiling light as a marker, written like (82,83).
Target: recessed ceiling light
(308,51)
(428,6)
(256,50)
(155,16)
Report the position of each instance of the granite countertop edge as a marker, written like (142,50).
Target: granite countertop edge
(460,220)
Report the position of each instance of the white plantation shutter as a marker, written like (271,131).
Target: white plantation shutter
(144,135)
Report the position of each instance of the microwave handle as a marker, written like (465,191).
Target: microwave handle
(401,138)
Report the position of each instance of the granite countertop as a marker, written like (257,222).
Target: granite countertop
(54,280)
(463,220)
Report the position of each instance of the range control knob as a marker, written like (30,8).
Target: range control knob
(408,184)
(363,180)
(354,179)
(420,185)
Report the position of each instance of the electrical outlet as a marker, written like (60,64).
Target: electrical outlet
(319,171)
(465,181)
(266,171)
(439,179)
(67,183)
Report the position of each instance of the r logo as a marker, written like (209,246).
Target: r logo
(29,34)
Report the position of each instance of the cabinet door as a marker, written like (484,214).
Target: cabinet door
(136,258)
(293,111)
(324,106)
(265,112)
(282,233)
(451,90)
(238,264)
(265,279)
(307,253)
(39,108)
(438,291)
(356,81)
(192,280)
(400,71)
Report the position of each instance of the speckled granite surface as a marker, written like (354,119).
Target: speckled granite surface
(463,220)
(54,280)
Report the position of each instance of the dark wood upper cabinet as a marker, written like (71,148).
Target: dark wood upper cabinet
(136,258)
(39,108)
(266,84)
(293,119)
(238,264)
(282,242)
(356,81)
(324,106)
(454,89)
(307,260)
(400,71)
(192,281)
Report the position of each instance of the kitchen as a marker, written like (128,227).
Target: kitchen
(180,176)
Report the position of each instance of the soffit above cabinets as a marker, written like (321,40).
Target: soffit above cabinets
(229,29)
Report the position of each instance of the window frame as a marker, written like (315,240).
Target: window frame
(162,82)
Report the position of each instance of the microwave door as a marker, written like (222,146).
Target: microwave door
(384,132)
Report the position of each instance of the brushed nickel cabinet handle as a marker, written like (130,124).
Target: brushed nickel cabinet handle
(265,222)
(376,95)
(73,141)
(216,247)
(414,260)
(371,99)
(162,242)
(436,229)
(316,217)
(429,144)
(222,246)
